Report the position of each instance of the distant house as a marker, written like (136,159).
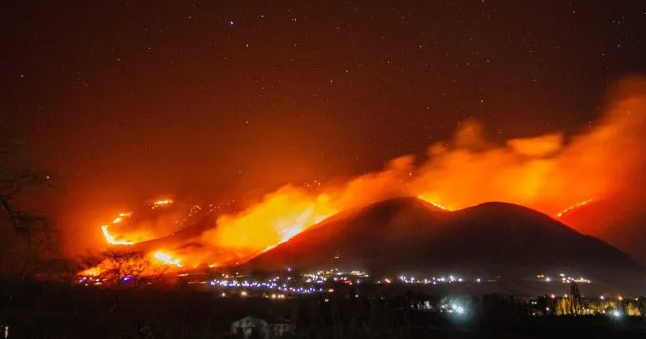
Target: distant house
(255,328)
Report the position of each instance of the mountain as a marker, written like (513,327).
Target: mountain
(185,236)
(356,238)
(407,235)
(620,223)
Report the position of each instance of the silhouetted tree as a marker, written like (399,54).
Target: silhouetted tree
(126,268)
(28,235)
(641,303)
(574,299)
(148,331)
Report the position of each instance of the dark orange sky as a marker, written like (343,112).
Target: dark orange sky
(128,100)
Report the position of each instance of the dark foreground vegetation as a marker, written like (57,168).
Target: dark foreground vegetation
(56,311)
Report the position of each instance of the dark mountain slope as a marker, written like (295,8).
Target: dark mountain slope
(408,235)
(620,223)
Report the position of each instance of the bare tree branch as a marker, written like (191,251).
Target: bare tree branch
(18,177)
(115,266)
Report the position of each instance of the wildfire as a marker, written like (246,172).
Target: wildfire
(161,203)
(573,207)
(433,202)
(167,259)
(92,272)
(438,206)
(134,235)
(112,240)
(276,219)
(545,173)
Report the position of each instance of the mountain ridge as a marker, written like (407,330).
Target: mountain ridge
(410,235)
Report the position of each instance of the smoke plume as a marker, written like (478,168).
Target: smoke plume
(550,173)
(547,172)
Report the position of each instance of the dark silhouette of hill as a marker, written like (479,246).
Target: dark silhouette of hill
(407,235)
(620,223)
(356,238)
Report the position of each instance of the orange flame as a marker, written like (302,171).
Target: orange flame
(545,173)
(573,207)
(112,240)
(432,202)
(92,272)
(277,219)
(161,203)
(167,259)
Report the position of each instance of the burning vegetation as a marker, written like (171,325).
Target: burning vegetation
(553,174)
(573,207)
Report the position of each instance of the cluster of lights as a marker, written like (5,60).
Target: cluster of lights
(308,283)
(430,281)
(278,288)
(335,275)
(313,281)
(613,313)
(93,281)
(452,308)
(271,285)
(273,296)
(619,298)
(607,306)
(564,279)
(87,281)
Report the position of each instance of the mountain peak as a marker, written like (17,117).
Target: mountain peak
(410,235)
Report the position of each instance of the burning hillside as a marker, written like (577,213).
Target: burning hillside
(553,174)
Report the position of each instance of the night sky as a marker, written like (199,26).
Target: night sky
(128,100)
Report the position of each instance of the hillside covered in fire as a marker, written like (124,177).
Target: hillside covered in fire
(587,182)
